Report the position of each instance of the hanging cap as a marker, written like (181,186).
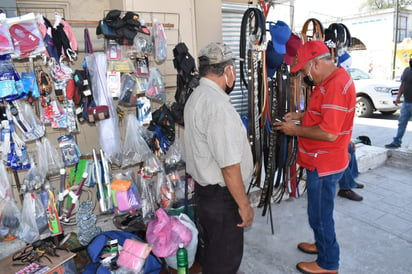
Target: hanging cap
(273,59)
(280,33)
(292,46)
(308,51)
(345,60)
(216,53)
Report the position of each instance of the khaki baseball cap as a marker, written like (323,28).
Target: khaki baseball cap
(216,53)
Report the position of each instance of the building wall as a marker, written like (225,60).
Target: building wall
(194,22)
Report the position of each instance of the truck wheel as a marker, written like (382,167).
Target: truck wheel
(364,107)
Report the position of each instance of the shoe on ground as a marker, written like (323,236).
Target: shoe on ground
(359,185)
(392,145)
(313,268)
(308,248)
(349,194)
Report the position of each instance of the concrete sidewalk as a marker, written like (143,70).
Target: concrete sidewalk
(375,235)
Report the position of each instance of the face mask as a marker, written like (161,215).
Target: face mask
(308,79)
(228,89)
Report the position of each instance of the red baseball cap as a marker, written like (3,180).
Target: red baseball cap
(292,46)
(308,51)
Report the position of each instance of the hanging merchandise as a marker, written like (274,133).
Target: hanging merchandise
(53,220)
(52,161)
(61,73)
(25,35)
(143,44)
(71,117)
(70,151)
(135,148)
(128,90)
(26,120)
(187,79)
(28,230)
(10,219)
(11,86)
(13,146)
(6,43)
(114,83)
(251,48)
(86,223)
(104,192)
(124,194)
(144,110)
(45,28)
(160,42)
(163,126)
(108,129)
(33,180)
(30,84)
(147,195)
(156,87)
(173,159)
(5,188)
(61,32)
(165,192)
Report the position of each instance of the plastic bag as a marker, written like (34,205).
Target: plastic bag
(26,36)
(40,213)
(156,87)
(165,233)
(6,44)
(11,218)
(5,189)
(147,196)
(11,86)
(133,255)
(165,192)
(30,84)
(174,157)
(160,43)
(128,90)
(49,160)
(144,110)
(191,248)
(108,129)
(28,230)
(125,193)
(33,129)
(135,149)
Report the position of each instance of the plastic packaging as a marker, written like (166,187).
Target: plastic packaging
(70,151)
(6,44)
(160,43)
(26,36)
(156,87)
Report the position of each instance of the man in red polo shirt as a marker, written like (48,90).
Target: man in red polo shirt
(324,136)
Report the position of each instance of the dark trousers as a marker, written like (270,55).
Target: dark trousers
(217,214)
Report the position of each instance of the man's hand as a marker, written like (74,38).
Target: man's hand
(247,214)
(289,128)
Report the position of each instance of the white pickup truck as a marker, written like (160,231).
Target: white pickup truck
(374,94)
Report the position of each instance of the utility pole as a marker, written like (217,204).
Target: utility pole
(395,40)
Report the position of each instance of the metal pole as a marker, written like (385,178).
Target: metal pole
(395,38)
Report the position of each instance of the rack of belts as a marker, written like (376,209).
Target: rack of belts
(267,100)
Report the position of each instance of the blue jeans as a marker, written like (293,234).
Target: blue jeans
(351,172)
(406,113)
(321,195)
